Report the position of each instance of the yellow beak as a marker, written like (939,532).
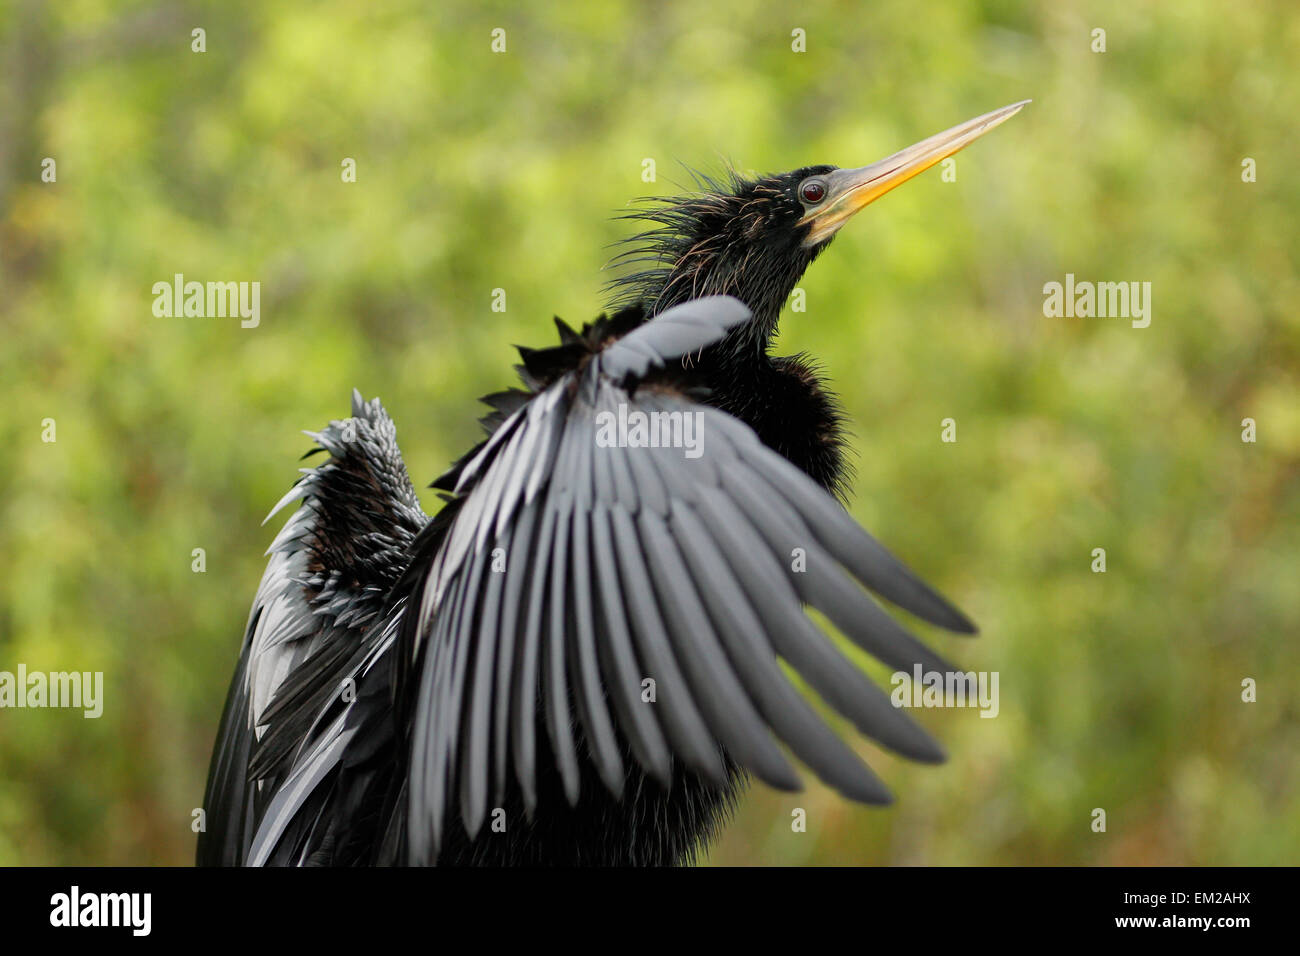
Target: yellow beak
(849,190)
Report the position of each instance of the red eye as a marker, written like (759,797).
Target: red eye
(813,191)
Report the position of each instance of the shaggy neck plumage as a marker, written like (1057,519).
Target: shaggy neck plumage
(724,241)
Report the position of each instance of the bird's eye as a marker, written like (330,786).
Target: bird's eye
(813,191)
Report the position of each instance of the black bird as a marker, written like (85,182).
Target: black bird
(576,660)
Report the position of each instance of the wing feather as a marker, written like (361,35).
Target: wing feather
(526,692)
(631,563)
(619,663)
(555,682)
(589,688)
(683,723)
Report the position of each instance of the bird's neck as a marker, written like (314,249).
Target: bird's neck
(788,404)
(760,275)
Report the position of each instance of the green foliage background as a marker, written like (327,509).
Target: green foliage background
(476,171)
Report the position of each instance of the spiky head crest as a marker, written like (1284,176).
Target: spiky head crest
(734,236)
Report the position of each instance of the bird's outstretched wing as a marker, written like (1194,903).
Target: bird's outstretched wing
(607,590)
(316,614)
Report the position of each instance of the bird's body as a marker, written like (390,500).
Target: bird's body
(574,661)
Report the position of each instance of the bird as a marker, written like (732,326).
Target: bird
(578,659)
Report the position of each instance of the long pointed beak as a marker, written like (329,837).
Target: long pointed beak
(849,190)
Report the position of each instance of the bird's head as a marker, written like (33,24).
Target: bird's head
(753,238)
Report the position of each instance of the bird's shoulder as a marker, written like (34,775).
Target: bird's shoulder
(629,350)
(789,404)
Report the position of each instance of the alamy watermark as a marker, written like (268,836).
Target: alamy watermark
(946,689)
(133,911)
(638,429)
(210,300)
(1084,300)
(82,690)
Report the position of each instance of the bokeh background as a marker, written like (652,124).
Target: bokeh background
(478,171)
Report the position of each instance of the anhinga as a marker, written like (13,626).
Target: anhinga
(577,659)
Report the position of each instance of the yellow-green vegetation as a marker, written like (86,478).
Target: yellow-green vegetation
(478,171)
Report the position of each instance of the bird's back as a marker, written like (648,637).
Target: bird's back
(319,614)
